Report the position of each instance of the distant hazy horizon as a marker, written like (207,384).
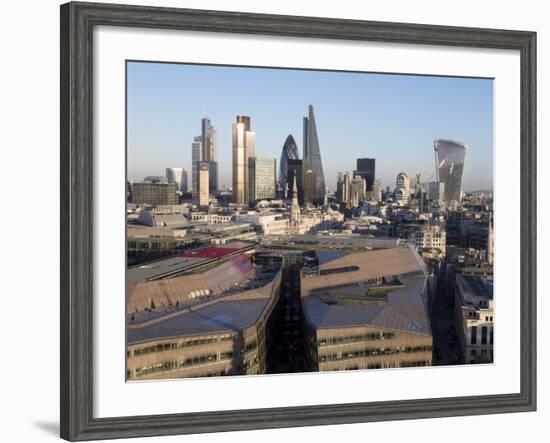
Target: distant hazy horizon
(392,118)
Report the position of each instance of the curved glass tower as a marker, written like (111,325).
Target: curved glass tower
(289,152)
(449,164)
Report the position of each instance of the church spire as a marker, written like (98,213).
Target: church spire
(294,206)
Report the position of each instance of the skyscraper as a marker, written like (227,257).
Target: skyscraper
(175,175)
(244,147)
(209,152)
(449,164)
(366,169)
(261,179)
(358,190)
(309,181)
(184,182)
(312,155)
(196,157)
(343,188)
(204,185)
(210,139)
(289,152)
(436,192)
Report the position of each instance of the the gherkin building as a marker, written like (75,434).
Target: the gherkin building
(289,152)
(312,156)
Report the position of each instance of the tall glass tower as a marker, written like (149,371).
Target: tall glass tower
(289,152)
(209,152)
(366,169)
(312,155)
(196,157)
(449,165)
(244,147)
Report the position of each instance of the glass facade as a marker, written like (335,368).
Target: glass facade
(312,155)
(196,152)
(449,165)
(366,169)
(289,152)
(262,179)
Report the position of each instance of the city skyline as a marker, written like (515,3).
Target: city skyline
(392,118)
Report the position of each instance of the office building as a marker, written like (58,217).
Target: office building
(312,155)
(154,193)
(244,147)
(366,169)
(402,188)
(289,152)
(367,310)
(261,179)
(430,237)
(196,157)
(211,323)
(474,317)
(449,165)
(343,188)
(177,176)
(204,184)
(309,181)
(155,179)
(377,191)
(358,191)
(209,137)
(436,192)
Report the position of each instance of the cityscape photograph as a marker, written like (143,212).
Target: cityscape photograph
(290,220)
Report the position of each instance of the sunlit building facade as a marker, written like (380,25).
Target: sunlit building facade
(449,166)
(367,310)
(244,147)
(312,155)
(261,178)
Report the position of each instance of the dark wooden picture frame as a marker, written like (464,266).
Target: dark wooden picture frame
(77,23)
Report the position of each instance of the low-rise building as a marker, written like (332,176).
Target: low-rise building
(430,237)
(208,324)
(475,317)
(367,310)
(155,193)
(268,224)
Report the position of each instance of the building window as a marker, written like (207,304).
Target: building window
(473,331)
(491,336)
(484,335)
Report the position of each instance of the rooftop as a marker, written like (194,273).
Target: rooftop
(182,263)
(240,293)
(475,288)
(383,288)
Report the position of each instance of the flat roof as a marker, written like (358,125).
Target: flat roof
(159,268)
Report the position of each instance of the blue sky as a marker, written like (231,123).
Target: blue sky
(393,118)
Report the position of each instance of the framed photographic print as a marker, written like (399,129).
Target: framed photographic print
(273,221)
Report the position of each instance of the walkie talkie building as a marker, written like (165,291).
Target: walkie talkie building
(449,165)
